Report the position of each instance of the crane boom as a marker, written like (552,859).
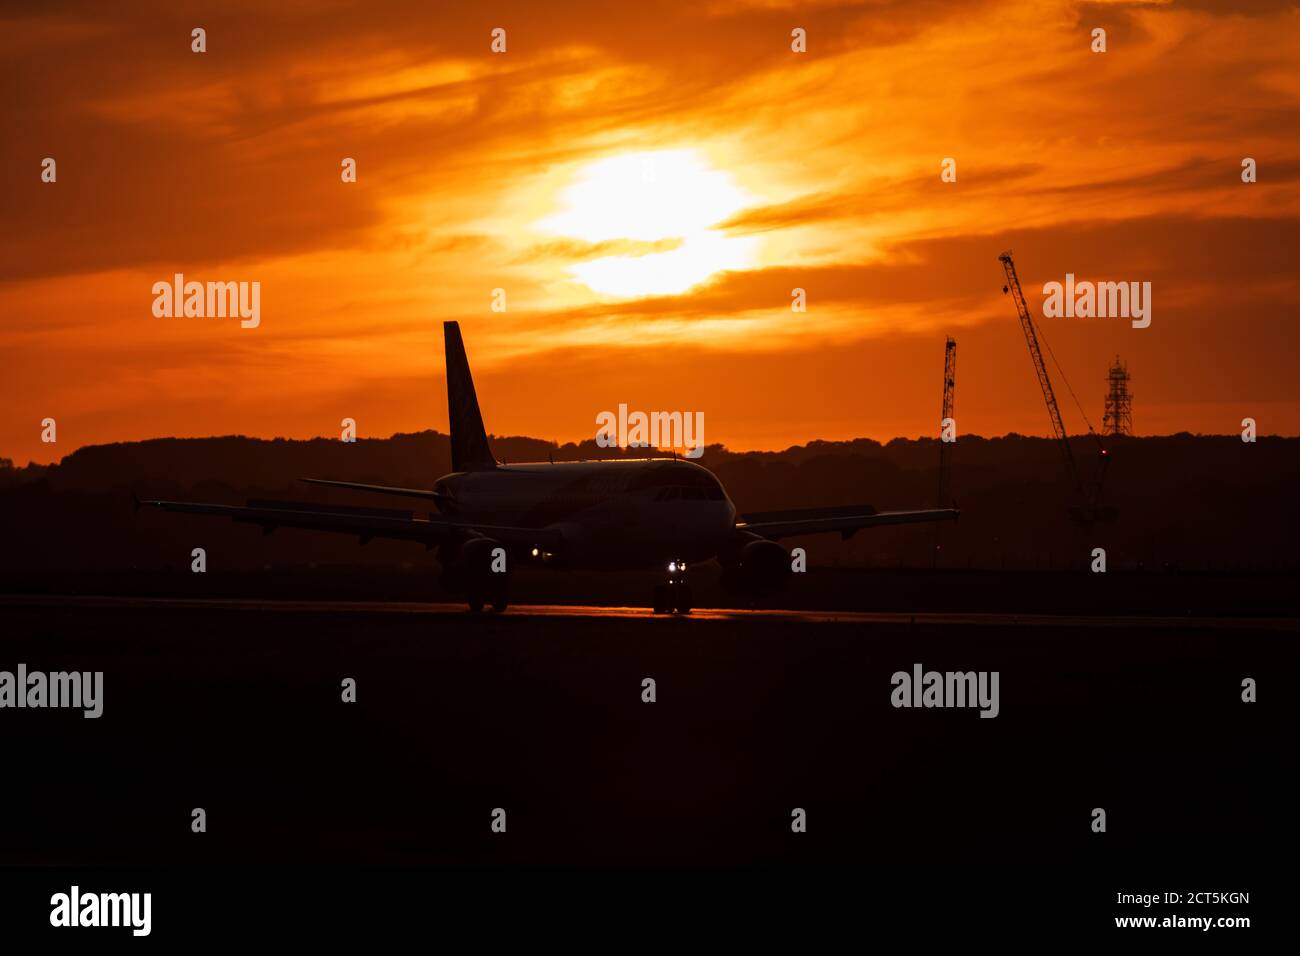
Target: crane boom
(1035,353)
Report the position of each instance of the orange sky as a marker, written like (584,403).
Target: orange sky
(647,182)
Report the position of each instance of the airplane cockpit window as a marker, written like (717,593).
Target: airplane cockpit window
(682,484)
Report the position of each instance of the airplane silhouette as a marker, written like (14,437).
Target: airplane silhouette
(654,513)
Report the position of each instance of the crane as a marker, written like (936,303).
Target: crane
(947,426)
(1091,507)
(945,446)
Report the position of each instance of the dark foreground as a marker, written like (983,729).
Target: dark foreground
(238,710)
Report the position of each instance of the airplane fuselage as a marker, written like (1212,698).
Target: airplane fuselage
(622,514)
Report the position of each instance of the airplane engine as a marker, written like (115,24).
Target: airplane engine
(470,571)
(761,568)
(476,554)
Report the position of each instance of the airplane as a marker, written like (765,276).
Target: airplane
(663,514)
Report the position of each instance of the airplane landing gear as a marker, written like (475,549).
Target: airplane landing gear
(674,597)
(493,594)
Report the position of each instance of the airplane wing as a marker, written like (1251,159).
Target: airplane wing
(378,489)
(847,520)
(366,523)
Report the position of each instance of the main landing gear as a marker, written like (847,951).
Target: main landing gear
(492,592)
(674,597)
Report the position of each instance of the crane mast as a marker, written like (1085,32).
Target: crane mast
(949,385)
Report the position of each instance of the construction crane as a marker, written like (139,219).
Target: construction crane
(945,447)
(1091,507)
(947,426)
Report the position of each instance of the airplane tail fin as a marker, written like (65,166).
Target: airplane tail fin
(469,444)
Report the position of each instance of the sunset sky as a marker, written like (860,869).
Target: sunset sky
(647,182)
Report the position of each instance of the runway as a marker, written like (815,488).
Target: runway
(769,616)
(237,705)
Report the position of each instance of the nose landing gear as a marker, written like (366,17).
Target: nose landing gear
(674,597)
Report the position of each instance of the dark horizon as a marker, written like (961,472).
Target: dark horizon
(1185,501)
(566,446)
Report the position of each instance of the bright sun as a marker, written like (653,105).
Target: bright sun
(650,197)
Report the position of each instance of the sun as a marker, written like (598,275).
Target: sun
(657,196)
